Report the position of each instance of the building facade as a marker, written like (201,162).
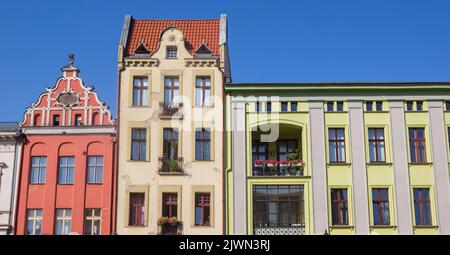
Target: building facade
(171,76)
(9,156)
(67,174)
(338,158)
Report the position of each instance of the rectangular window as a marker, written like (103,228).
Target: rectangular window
(369,106)
(278,206)
(447,105)
(92,221)
(203,92)
(140,91)
(294,107)
(336,140)
(376,145)
(284,147)
(379,105)
(171,92)
(38,169)
(63,221)
(268,106)
(202,209)
(260,151)
(258,106)
(409,105)
(340,106)
(380,206)
(66,170)
(171,52)
(95,169)
(330,106)
(170,205)
(56,120)
(170,143)
(448,135)
(77,119)
(138,144)
(34,222)
(202,144)
(417,145)
(419,105)
(284,106)
(422,208)
(339,206)
(137,209)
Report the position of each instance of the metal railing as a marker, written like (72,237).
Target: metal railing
(171,166)
(294,229)
(278,168)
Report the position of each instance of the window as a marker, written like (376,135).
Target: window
(137,209)
(138,143)
(294,106)
(409,105)
(447,105)
(95,169)
(330,106)
(339,207)
(171,92)
(340,106)
(422,209)
(140,91)
(369,106)
(260,151)
(66,170)
(379,105)
(419,105)
(38,169)
(63,221)
(417,145)
(77,119)
(448,135)
(170,143)
(268,106)
(284,147)
(34,222)
(336,140)
(380,206)
(202,209)
(281,205)
(169,206)
(202,144)
(92,220)
(55,120)
(376,145)
(284,106)
(258,106)
(203,92)
(171,52)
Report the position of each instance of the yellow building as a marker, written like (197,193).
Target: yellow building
(170,168)
(338,158)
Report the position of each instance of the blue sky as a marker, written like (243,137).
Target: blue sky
(269,41)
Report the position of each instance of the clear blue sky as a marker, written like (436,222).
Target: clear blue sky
(269,41)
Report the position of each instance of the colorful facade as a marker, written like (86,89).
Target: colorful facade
(67,171)
(171,75)
(338,158)
(10,148)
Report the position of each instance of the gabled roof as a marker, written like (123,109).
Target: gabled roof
(196,32)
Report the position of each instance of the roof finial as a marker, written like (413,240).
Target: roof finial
(71,58)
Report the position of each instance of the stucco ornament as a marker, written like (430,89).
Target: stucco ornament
(68,99)
(172,38)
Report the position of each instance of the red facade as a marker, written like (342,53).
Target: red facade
(68,162)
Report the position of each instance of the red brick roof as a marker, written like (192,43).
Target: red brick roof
(195,32)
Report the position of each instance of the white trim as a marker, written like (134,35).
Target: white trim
(69,130)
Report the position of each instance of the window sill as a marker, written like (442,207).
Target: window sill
(339,164)
(376,111)
(138,161)
(423,111)
(95,184)
(279,177)
(426,227)
(379,164)
(383,226)
(64,184)
(140,107)
(420,164)
(198,226)
(342,227)
(171,173)
(37,184)
(336,111)
(131,226)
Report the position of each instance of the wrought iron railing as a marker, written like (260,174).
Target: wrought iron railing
(278,168)
(171,166)
(171,229)
(294,229)
(170,111)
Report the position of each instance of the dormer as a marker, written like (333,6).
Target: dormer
(203,51)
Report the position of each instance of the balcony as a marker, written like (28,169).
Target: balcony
(170,166)
(278,168)
(171,111)
(294,229)
(170,226)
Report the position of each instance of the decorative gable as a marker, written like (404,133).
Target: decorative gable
(68,103)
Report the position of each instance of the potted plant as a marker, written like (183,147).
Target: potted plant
(173,165)
(163,220)
(172,221)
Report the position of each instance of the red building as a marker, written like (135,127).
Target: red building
(68,166)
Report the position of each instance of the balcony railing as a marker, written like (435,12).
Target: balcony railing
(170,111)
(170,166)
(294,229)
(278,168)
(171,228)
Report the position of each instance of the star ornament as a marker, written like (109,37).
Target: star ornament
(172,38)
